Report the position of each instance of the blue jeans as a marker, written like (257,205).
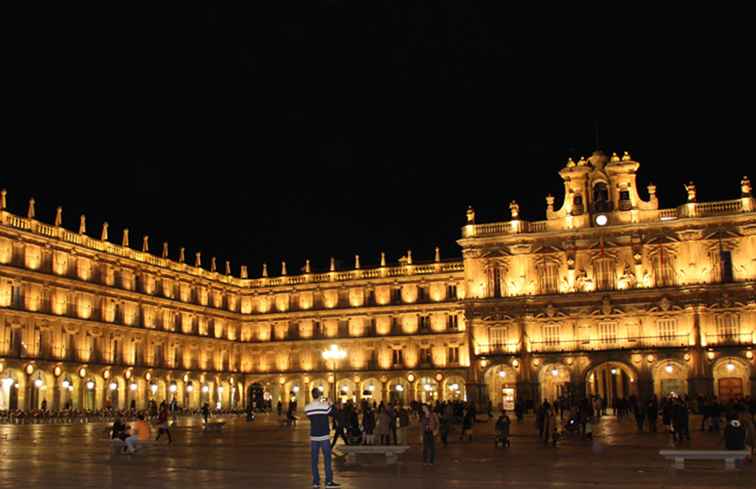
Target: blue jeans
(315,448)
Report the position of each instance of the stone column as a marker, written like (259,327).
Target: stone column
(700,380)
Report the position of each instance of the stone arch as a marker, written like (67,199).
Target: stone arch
(732,378)
(611,380)
(12,387)
(501,381)
(453,388)
(399,390)
(39,389)
(670,377)
(555,380)
(371,390)
(346,390)
(427,390)
(323,386)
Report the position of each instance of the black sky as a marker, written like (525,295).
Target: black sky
(293,130)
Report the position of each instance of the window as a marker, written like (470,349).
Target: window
(398,358)
(17,343)
(425,356)
(551,334)
(451,291)
(452,355)
(548,277)
(624,200)
(422,294)
(70,347)
(158,354)
(666,328)
(396,295)
(604,272)
(497,336)
(664,271)
(728,327)
(607,331)
(424,323)
(577,205)
(117,353)
(495,282)
(453,322)
(721,262)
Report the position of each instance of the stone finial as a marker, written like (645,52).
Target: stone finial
(182,255)
(30,211)
(691,189)
(3,199)
(198,259)
(550,202)
(58,217)
(470,215)
(228,267)
(146,244)
(213,265)
(383,259)
(745,187)
(626,156)
(332,268)
(582,161)
(614,157)
(514,207)
(244,273)
(409,257)
(283,268)
(437,256)
(651,189)
(307,266)
(104,232)
(265,270)
(82,224)
(570,163)
(356,262)
(125,239)
(164,254)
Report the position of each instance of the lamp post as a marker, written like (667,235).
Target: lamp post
(333,354)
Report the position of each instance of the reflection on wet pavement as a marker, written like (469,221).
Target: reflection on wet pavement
(262,455)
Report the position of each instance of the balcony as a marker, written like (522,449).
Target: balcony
(735,339)
(595,344)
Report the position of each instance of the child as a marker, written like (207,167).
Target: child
(589,427)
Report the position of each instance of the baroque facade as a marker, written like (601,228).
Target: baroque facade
(610,295)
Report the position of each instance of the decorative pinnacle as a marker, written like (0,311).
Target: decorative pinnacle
(3,202)
(182,255)
(265,270)
(470,215)
(514,208)
(307,266)
(244,273)
(146,244)
(437,257)
(356,262)
(332,268)
(165,249)
(615,157)
(125,238)
(283,268)
(383,259)
(198,259)
(104,232)
(409,257)
(82,224)
(58,217)
(30,211)
(228,267)
(626,156)
(213,265)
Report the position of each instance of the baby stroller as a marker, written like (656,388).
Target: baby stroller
(502,433)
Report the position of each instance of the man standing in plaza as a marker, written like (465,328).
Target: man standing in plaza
(317,412)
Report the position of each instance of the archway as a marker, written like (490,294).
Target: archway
(255,396)
(39,390)
(454,388)
(501,381)
(611,381)
(346,390)
(398,391)
(322,385)
(12,381)
(426,390)
(555,381)
(295,391)
(670,378)
(731,378)
(371,390)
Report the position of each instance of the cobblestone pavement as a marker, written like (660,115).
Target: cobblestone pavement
(263,455)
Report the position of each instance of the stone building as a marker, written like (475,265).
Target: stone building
(608,296)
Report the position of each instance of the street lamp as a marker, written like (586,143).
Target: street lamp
(333,354)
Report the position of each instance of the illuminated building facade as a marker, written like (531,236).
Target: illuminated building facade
(610,295)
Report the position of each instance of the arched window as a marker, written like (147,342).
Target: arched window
(601,201)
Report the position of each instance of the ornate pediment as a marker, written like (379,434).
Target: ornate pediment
(550,312)
(606,308)
(665,305)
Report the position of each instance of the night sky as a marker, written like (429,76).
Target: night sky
(295,130)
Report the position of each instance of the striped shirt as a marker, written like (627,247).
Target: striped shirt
(317,411)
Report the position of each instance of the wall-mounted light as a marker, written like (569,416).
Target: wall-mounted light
(730,366)
(172,388)
(133,386)
(669,369)
(399,387)
(90,385)
(502,374)
(613,371)
(555,372)
(190,387)
(601,219)
(66,383)
(205,389)
(113,386)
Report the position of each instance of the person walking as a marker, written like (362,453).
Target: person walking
(368,426)
(163,426)
(205,412)
(139,432)
(444,424)
(652,413)
(429,427)
(340,422)
(403,420)
(317,412)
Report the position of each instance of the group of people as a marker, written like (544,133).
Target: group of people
(141,430)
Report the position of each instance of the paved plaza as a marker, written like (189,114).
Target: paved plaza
(264,455)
